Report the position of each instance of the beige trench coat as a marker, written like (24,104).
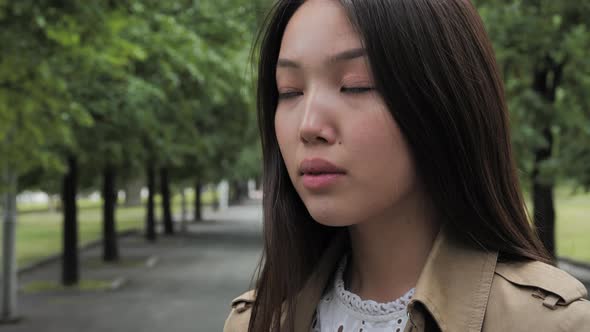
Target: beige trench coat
(461,289)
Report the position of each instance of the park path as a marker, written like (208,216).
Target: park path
(188,287)
(181,283)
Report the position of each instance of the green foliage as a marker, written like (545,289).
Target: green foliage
(36,109)
(126,83)
(553,37)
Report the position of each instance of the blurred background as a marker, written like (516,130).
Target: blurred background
(130,163)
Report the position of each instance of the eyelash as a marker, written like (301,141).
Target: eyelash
(290,94)
(354,90)
(360,89)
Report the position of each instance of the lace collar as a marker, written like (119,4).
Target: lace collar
(367,307)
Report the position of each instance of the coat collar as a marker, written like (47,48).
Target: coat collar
(454,285)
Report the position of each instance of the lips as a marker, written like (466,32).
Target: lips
(319,175)
(317,166)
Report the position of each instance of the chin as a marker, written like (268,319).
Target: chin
(329,216)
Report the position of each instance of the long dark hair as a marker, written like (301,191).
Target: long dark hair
(435,68)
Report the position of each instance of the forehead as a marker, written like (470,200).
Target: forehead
(318,28)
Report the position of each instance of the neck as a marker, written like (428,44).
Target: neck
(389,251)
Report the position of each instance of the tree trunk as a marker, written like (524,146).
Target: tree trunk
(543,202)
(184,211)
(9,268)
(238,191)
(198,213)
(233,192)
(243,190)
(110,248)
(150,223)
(70,266)
(166,210)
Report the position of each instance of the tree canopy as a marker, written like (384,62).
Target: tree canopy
(543,47)
(125,83)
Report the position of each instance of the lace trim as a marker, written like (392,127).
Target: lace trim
(367,307)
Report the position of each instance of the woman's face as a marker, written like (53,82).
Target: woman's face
(329,112)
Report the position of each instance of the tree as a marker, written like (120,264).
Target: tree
(543,48)
(150,214)
(70,269)
(196,56)
(166,204)
(109,195)
(36,111)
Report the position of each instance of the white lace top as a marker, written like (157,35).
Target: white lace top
(341,311)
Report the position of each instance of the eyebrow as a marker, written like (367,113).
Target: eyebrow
(338,57)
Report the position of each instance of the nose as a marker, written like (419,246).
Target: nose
(316,126)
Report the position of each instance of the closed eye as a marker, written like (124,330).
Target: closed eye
(356,89)
(289,94)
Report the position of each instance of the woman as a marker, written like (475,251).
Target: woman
(391,201)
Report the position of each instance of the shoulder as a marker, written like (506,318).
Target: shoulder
(534,295)
(239,316)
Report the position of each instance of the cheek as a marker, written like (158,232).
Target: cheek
(285,134)
(384,163)
(378,139)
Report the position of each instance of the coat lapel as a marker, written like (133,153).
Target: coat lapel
(454,285)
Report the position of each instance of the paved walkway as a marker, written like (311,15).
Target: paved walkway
(181,283)
(188,287)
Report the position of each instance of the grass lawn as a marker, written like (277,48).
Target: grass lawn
(39,234)
(573,225)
